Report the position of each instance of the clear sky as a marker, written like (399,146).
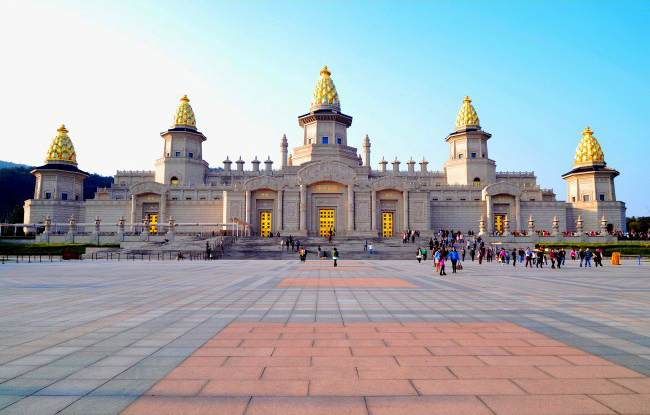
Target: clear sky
(537,72)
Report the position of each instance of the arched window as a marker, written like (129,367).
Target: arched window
(173,180)
(476,181)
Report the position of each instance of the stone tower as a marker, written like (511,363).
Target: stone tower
(182,161)
(468,162)
(590,186)
(325,127)
(59,183)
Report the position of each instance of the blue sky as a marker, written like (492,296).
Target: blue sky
(537,72)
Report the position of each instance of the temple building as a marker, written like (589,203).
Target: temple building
(326,183)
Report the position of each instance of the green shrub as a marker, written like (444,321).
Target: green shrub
(45,249)
(625,248)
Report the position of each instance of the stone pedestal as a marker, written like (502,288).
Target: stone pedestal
(144,236)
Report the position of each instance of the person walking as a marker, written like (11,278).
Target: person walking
(424,254)
(370,248)
(464,253)
(418,256)
(598,257)
(335,256)
(573,254)
(436,260)
(587,258)
(529,257)
(552,255)
(281,244)
(581,255)
(365,246)
(453,257)
(514,257)
(540,258)
(442,266)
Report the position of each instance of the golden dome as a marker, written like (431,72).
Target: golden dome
(588,150)
(325,92)
(61,148)
(467,116)
(184,113)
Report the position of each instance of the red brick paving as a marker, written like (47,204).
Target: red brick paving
(392,368)
(346,282)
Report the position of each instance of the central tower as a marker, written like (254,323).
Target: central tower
(468,162)
(325,127)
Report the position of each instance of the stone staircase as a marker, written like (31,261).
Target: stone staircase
(349,248)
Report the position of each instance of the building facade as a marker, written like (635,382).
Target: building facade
(326,184)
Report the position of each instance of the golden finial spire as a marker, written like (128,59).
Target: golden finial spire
(325,94)
(184,114)
(61,148)
(589,150)
(467,116)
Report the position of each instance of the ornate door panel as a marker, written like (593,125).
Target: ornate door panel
(327,221)
(498,223)
(387,224)
(265,223)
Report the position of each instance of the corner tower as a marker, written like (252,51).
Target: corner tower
(468,162)
(325,127)
(59,183)
(182,161)
(590,186)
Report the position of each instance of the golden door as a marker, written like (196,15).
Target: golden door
(387,224)
(498,223)
(153,221)
(327,221)
(265,223)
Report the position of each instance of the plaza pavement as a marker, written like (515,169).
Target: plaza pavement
(282,337)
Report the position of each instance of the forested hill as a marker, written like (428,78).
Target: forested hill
(17,185)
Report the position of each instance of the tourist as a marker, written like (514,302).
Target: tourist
(529,257)
(453,256)
(560,253)
(370,248)
(540,258)
(431,244)
(365,246)
(472,253)
(514,257)
(552,255)
(335,256)
(297,244)
(424,254)
(463,257)
(436,260)
(587,258)
(581,255)
(418,256)
(442,265)
(573,254)
(598,257)
(281,244)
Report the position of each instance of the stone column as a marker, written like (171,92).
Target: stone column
(427,211)
(488,205)
(373,211)
(279,221)
(406,209)
(303,207)
(134,204)
(163,212)
(248,206)
(518,213)
(350,207)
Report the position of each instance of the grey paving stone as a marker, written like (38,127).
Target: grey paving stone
(41,405)
(98,405)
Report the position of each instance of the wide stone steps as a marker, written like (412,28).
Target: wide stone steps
(349,248)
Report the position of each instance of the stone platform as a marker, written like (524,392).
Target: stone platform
(284,337)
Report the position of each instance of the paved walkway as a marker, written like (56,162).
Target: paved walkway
(276,337)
